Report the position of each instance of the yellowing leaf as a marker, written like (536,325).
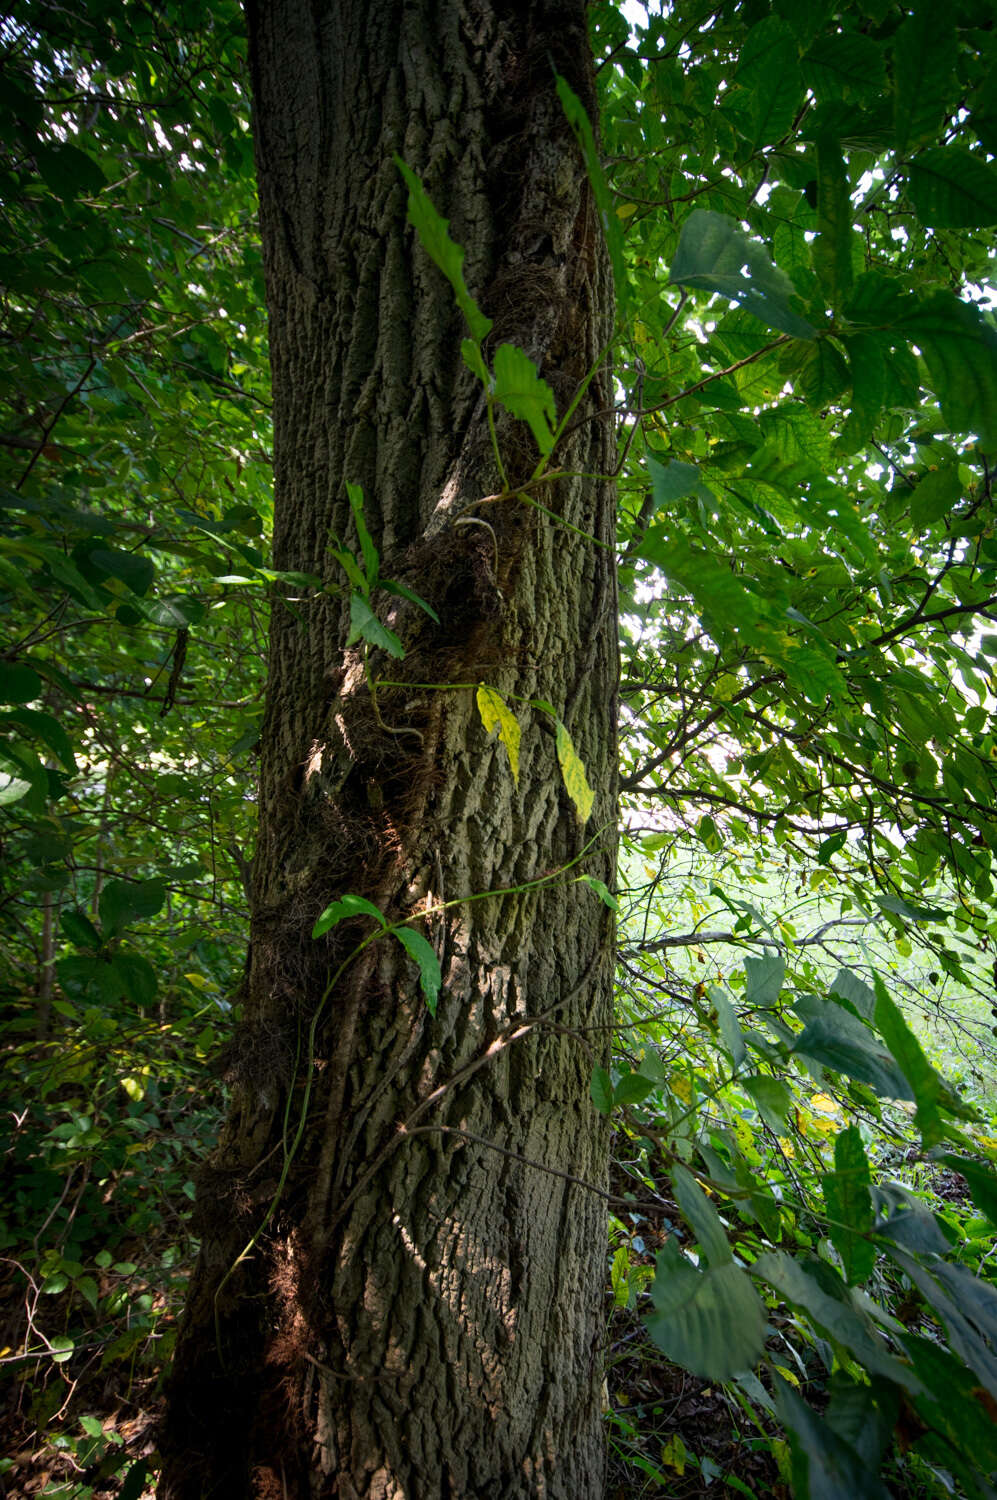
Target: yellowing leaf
(626,210)
(495,714)
(681,1086)
(824,1104)
(674,1453)
(573,772)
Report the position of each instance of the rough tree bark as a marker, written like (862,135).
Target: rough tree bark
(421,1316)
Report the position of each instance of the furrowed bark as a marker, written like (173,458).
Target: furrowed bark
(422,1314)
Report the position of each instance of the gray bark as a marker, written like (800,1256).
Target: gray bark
(422,1315)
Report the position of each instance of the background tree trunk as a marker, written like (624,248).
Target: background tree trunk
(422,1316)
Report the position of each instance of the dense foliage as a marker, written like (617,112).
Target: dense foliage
(799,201)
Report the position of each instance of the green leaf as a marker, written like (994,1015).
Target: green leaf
(960,351)
(573,772)
(475,361)
(364,623)
(518,386)
(907,1051)
(924,59)
(715,255)
(774,1099)
(577,117)
(951,188)
(845,65)
(178,612)
(18,683)
(12,789)
(342,909)
(632,1088)
(855,990)
(435,240)
(351,568)
(966,1304)
(47,729)
(830,847)
(823,375)
(825,1466)
(134,1483)
(403,591)
(62,1347)
(765,977)
(124,901)
(80,930)
(370,554)
(674,481)
(701,1216)
(92,1427)
(867,359)
(770,85)
(133,1486)
(981,1180)
(131,569)
(496,715)
(88,1289)
(849,1205)
(68,171)
(836,1039)
(602,891)
(955,1405)
(836,1318)
(711,1322)
(912,911)
(601,1090)
(137,977)
(730,1031)
(832,251)
(430,976)
(937,493)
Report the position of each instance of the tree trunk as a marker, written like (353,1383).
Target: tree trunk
(421,1315)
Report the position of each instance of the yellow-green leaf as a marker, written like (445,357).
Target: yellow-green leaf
(573,772)
(495,714)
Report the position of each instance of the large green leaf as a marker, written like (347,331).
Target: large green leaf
(765,978)
(577,117)
(825,1466)
(832,251)
(715,255)
(123,902)
(845,65)
(953,189)
(434,237)
(519,388)
(835,1039)
(960,350)
(981,1180)
(711,1322)
(701,1216)
(924,59)
(137,976)
(849,1205)
(909,1055)
(968,1307)
(769,83)
(837,1318)
(774,1098)
(365,625)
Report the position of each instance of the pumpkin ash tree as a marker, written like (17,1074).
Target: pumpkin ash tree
(399,1288)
